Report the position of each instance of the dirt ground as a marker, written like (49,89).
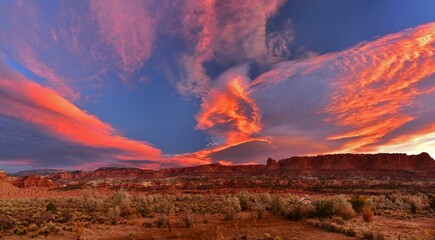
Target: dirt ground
(246,226)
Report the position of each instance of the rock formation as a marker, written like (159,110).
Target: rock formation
(306,172)
(33,181)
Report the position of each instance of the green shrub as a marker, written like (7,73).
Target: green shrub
(51,207)
(324,208)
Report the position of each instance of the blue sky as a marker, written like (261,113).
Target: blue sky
(162,83)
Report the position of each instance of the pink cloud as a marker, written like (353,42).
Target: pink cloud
(129,27)
(30,102)
(223,30)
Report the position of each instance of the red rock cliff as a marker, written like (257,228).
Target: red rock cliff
(33,182)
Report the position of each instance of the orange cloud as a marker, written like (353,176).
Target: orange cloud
(380,79)
(45,108)
(232,108)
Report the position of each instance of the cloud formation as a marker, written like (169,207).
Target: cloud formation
(29,102)
(129,28)
(227,33)
(359,100)
(253,102)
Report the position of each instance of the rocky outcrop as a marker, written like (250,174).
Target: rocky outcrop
(3,176)
(271,164)
(114,172)
(40,172)
(361,162)
(334,170)
(68,175)
(33,181)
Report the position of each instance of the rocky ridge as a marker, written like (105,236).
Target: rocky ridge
(305,172)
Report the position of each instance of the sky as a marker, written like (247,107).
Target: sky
(161,83)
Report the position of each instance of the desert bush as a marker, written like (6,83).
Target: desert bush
(380,236)
(187,218)
(48,228)
(166,207)
(6,223)
(324,208)
(331,226)
(230,207)
(432,202)
(78,228)
(367,213)
(113,214)
(350,232)
(334,206)
(264,199)
(91,201)
(162,221)
(19,230)
(368,235)
(298,212)
(413,208)
(32,227)
(259,207)
(347,212)
(144,205)
(277,205)
(51,207)
(358,202)
(122,199)
(43,218)
(247,201)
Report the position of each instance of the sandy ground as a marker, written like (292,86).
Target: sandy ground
(9,191)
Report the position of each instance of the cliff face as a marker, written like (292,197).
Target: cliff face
(318,166)
(360,162)
(33,181)
(337,170)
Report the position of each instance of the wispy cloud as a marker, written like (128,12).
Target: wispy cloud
(226,33)
(129,28)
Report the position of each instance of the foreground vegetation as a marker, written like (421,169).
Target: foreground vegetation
(348,215)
